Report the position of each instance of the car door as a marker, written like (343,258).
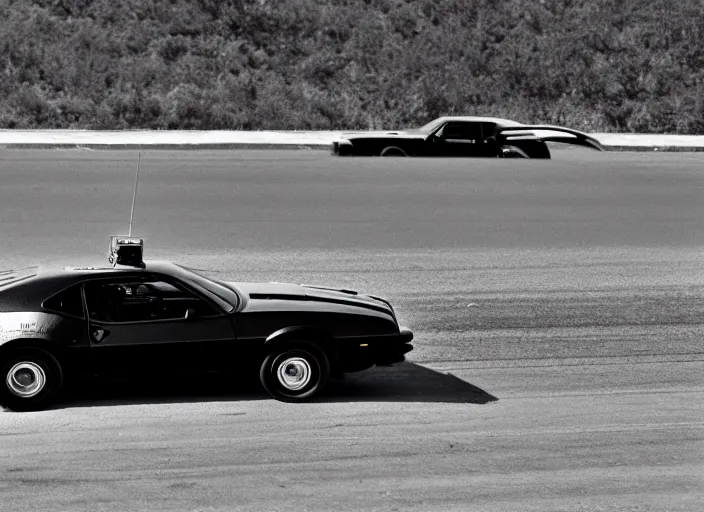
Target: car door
(70,331)
(458,138)
(147,325)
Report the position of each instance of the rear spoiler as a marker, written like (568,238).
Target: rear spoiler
(573,136)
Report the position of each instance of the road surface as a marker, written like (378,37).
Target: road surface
(557,308)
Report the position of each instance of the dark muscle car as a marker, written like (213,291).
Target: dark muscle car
(160,318)
(465,136)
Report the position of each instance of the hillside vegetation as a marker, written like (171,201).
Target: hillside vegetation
(595,65)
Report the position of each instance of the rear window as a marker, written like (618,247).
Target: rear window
(11,277)
(68,302)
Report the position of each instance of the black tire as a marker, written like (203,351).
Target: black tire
(22,369)
(309,367)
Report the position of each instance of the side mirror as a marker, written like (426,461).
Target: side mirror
(190,314)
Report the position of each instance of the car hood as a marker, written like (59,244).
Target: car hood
(386,135)
(302,292)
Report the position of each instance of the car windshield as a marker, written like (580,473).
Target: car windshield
(225,293)
(429,127)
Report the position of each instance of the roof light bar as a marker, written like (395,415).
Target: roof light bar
(126,250)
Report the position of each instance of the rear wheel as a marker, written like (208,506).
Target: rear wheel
(295,371)
(31,380)
(513,152)
(393,151)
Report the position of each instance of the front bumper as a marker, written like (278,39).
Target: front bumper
(342,148)
(379,350)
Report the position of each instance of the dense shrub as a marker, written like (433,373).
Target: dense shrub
(597,65)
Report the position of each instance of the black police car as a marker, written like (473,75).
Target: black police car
(465,136)
(141,320)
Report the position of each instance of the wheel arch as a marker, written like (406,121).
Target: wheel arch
(302,332)
(531,148)
(515,149)
(46,345)
(316,335)
(391,149)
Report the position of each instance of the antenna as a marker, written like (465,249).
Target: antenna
(126,250)
(134,195)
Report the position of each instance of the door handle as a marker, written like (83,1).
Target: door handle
(99,335)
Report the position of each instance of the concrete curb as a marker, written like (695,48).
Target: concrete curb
(175,146)
(663,149)
(309,147)
(268,140)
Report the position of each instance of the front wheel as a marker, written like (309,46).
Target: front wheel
(31,380)
(295,372)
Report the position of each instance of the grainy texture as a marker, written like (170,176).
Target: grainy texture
(358,64)
(200,202)
(557,310)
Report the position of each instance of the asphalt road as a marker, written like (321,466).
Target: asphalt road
(557,308)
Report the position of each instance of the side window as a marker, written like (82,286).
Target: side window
(69,302)
(469,132)
(140,301)
(488,129)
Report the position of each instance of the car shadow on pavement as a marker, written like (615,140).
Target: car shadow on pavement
(403,382)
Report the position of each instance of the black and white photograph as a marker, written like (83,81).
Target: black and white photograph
(352,255)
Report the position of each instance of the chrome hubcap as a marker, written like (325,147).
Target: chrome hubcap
(26,379)
(294,373)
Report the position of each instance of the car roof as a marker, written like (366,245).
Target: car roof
(476,119)
(78,272)
(25,289)
(49,276)
(48,273)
